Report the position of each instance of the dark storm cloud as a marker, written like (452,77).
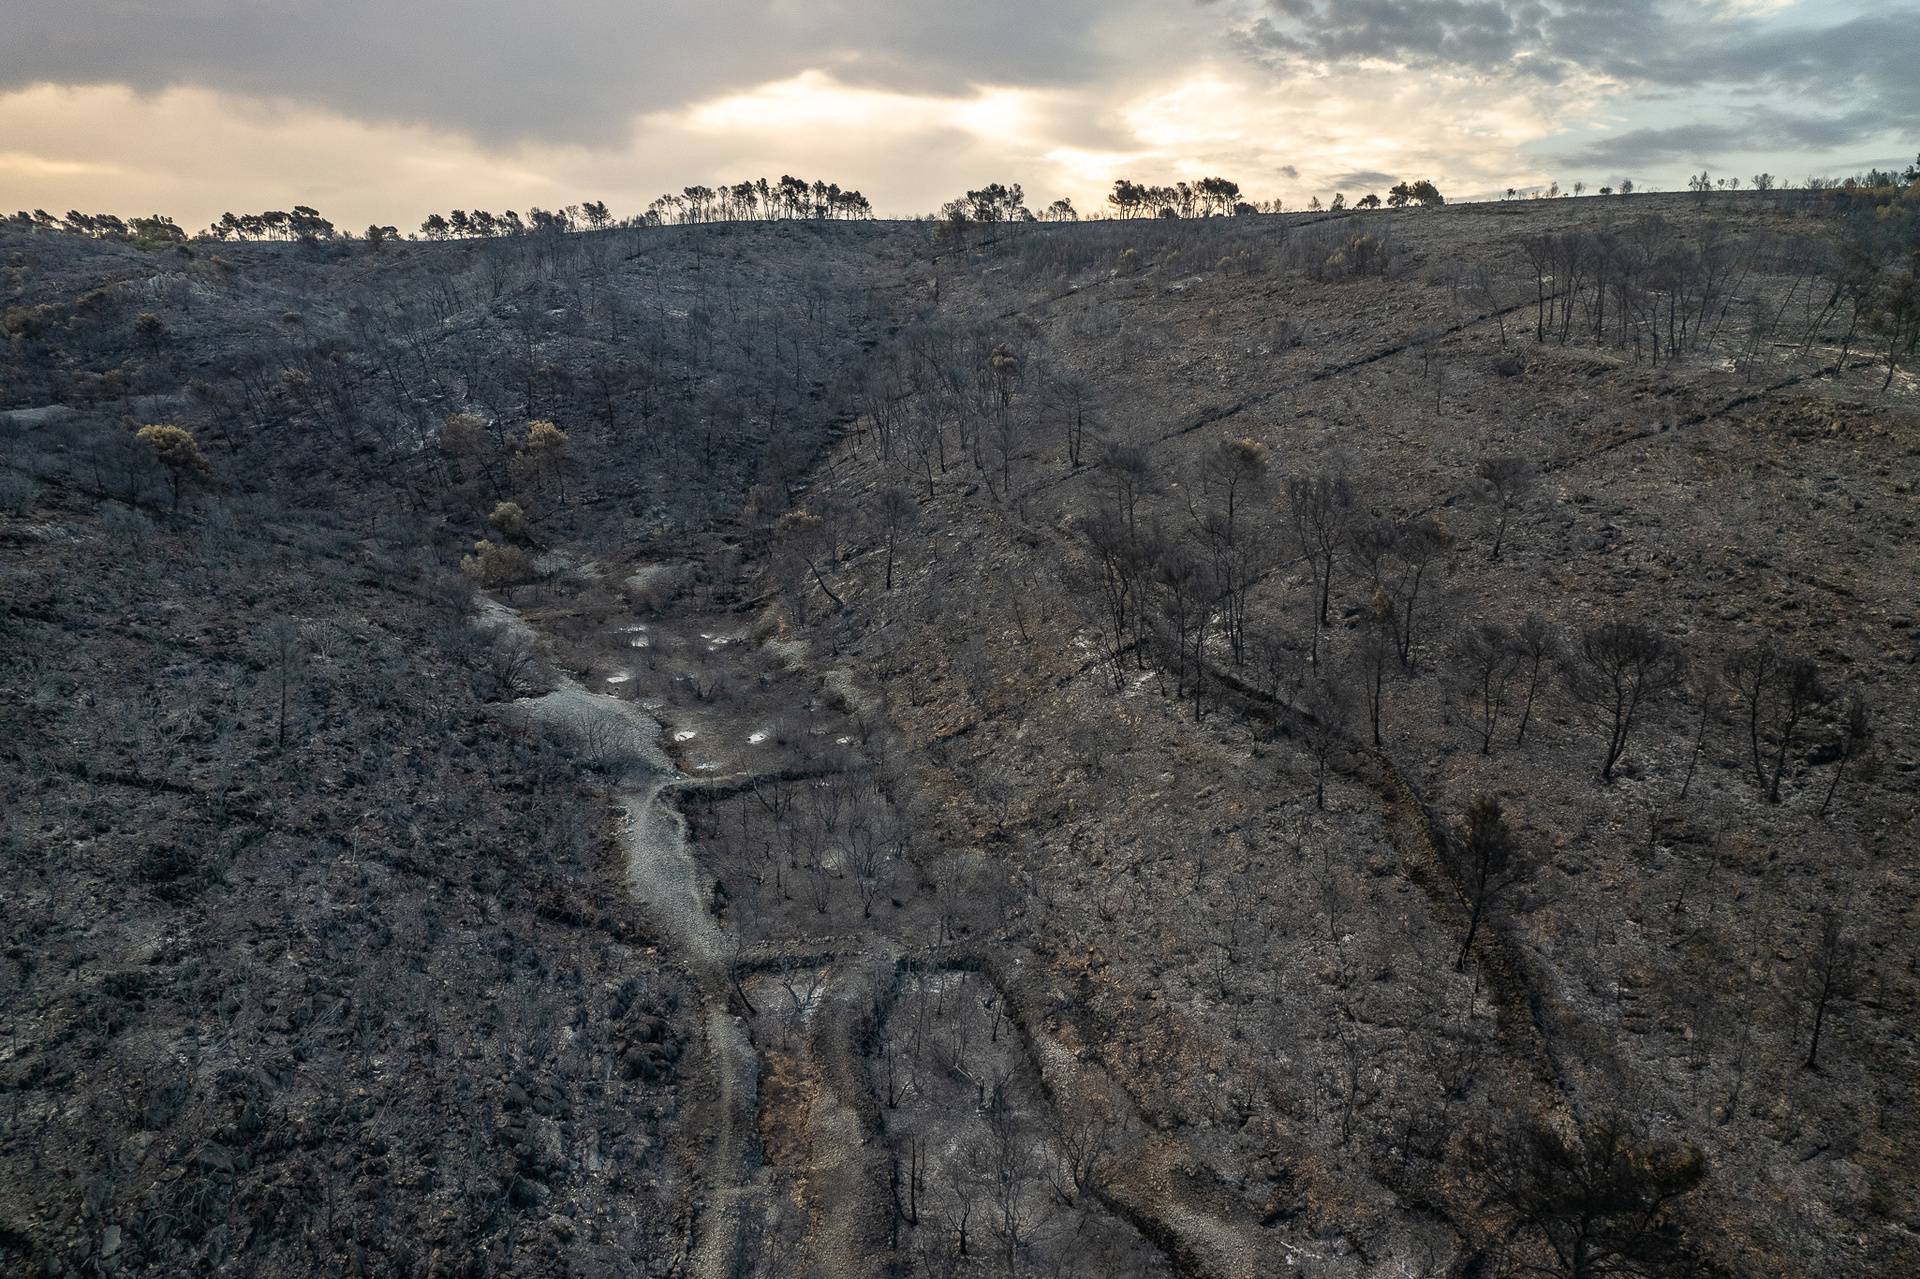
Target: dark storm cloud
(1687,142)
(1874,60)
(1362,179)
(1809,86)
(574,69)
(1698,143)
(1476,33)
(1860,68)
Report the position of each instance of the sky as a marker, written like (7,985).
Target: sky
(384,112)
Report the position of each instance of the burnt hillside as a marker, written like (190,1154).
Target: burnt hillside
(1378,742)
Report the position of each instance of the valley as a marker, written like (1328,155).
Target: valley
(1362,743)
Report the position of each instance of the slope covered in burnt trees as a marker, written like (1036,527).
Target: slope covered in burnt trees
(1377,742)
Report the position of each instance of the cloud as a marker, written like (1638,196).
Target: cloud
(1505,37)
(1691,143)
(1696,144)
(1848,69)
(1867,63)
(194,152)
(1478,33)
(387,111)
(572,70)
(1675,43)
(1747,8)
(1364,180)
(1371,125)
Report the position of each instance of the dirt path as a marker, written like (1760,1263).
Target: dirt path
(732,1215)
(666,881)
(1149,1186)
(823,1108)
(837,1170)
(848,1172)
(1148,1182)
